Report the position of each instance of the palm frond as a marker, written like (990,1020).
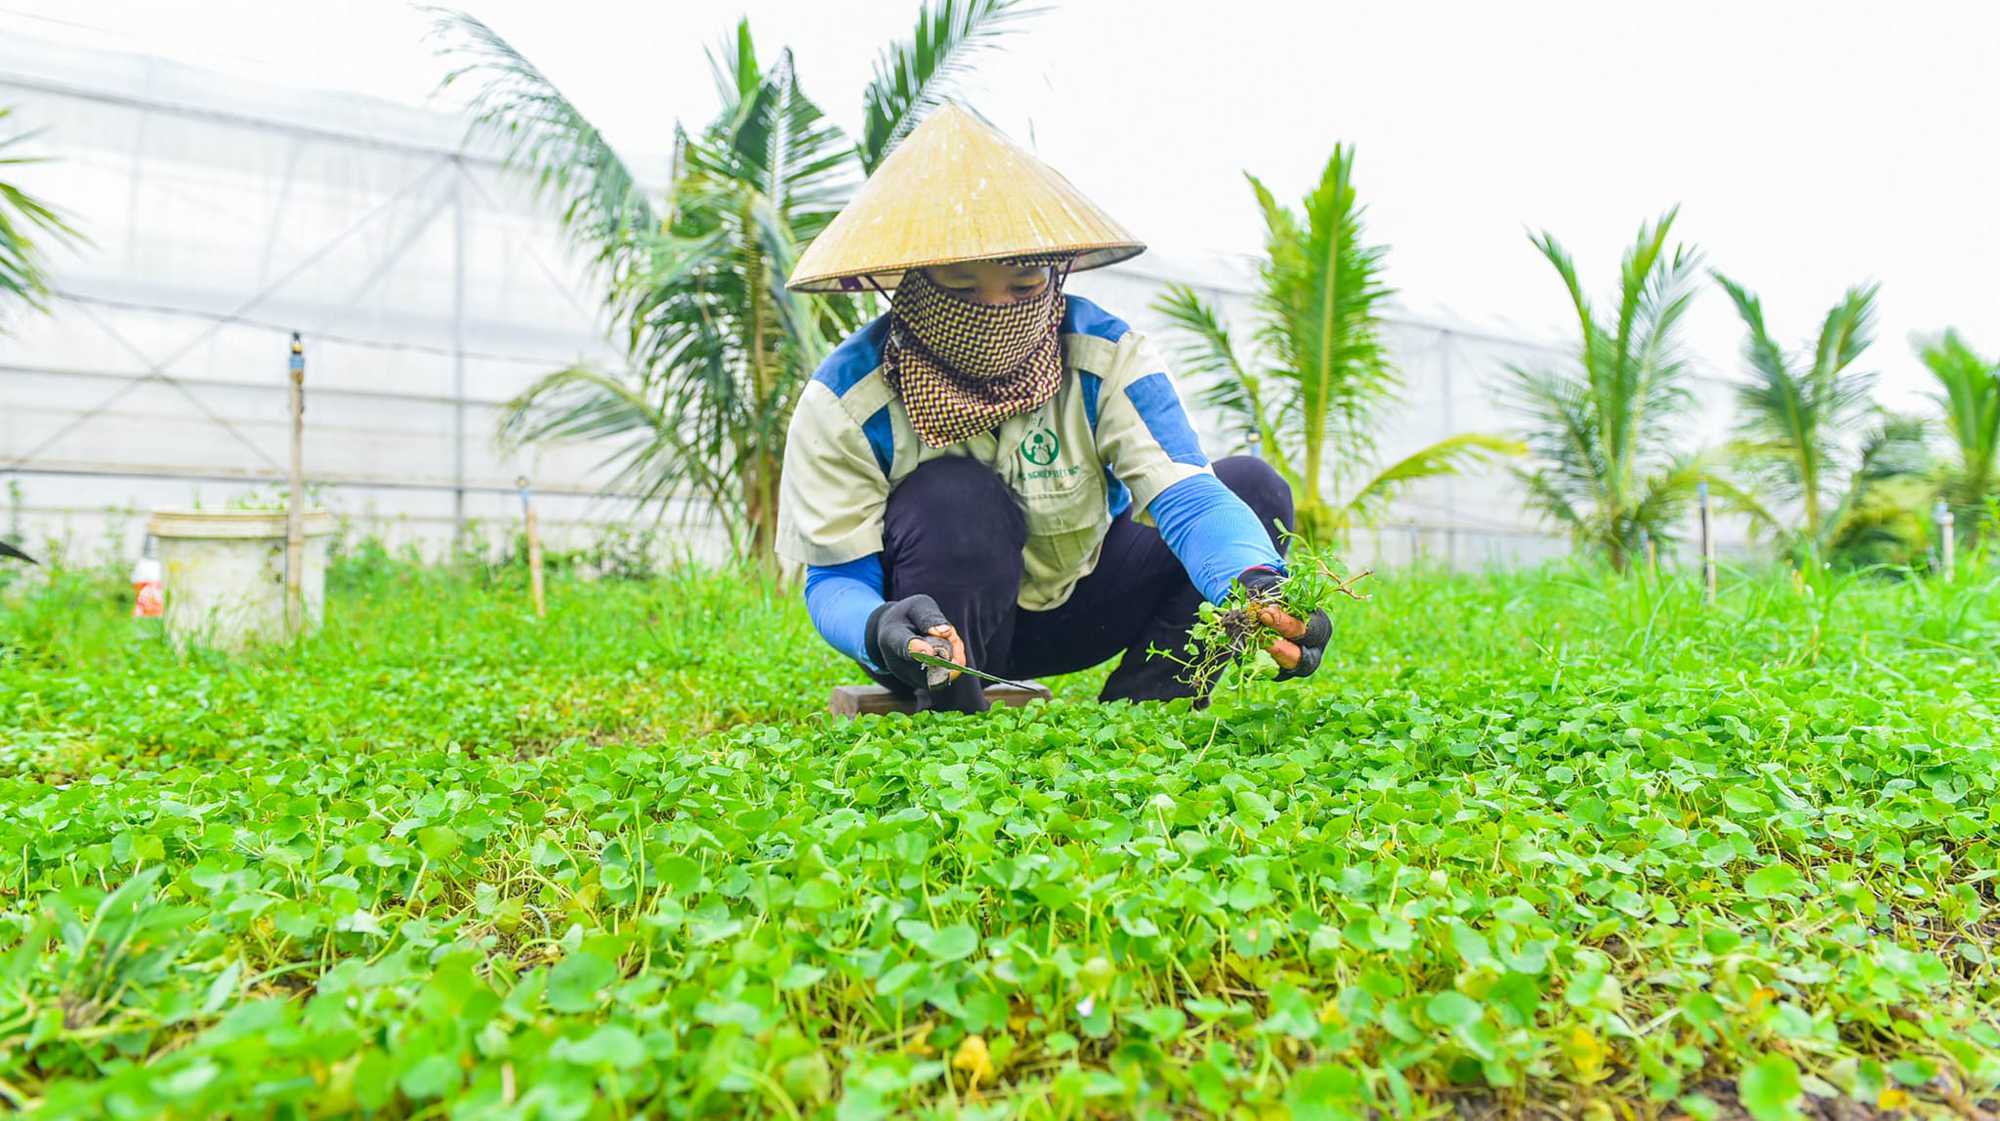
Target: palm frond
(1649,392)
(1888,524)
(1848,330)
(1449,456)
(718,349)
(1560,431)
(1733,497)
(1206,354)
(915,76)
(1969,395)
(733,65)
(1602,425)
(1323,286)
(1894,459)
(544,135)
(1897,448)
(1546,495)
(1794,421)
(1665,496)
(649,458)
(24,221)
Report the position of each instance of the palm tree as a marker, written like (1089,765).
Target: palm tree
(1969,394)
(716,349)
(24,219)
(1881,518)
(1314,393)
(1602,426)
(1796,414)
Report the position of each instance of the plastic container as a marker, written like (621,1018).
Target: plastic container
(223,572)
(148,601)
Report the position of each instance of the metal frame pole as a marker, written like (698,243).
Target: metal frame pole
(295,514)
(532,527)
(1947,538)
(458,353)
(1707,544)
(1445,353)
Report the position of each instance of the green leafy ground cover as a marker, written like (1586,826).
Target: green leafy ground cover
(1545,844)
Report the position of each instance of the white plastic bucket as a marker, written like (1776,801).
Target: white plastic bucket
(224,574)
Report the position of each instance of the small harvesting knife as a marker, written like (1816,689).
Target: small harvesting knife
(936,662)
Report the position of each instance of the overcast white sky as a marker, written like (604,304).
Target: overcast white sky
(1811,143)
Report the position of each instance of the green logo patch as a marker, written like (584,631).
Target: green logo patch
(1040,447)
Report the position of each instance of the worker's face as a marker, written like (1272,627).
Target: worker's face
(990,282)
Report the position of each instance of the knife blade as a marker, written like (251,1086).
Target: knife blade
(946,663)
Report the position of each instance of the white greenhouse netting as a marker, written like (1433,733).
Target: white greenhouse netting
(222,216)
(429,287)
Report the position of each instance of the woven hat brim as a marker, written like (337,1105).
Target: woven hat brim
(957,190)
(1088,257)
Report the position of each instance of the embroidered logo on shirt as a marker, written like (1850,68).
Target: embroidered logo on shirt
(1040,447)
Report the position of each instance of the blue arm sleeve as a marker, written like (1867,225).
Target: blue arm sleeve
(1212,533)
(839,598)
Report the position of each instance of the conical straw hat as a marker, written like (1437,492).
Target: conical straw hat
(957,190)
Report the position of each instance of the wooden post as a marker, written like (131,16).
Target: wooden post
(295,514)
(1707,543)
(1947,538)
(534,548)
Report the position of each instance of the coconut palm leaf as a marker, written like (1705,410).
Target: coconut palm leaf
(24,220)
(915,76)
(1601,426)
(1898,447)
(543,134)
(1542,494)
(718,349)
(1314,391)
(1449,456)
(1887,523)
(1205,352)
(1793,420)
(1969,395)
(1665,495)
(1885,497)
(649,458)
(1322,294)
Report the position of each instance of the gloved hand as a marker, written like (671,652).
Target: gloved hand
(1299,652)
(895,626)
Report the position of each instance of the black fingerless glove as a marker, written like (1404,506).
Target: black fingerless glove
(889,631)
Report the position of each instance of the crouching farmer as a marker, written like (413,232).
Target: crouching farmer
(1000,470)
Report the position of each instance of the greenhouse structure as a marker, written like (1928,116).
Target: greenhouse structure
(429,285)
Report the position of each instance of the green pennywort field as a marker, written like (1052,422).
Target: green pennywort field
(1554,844)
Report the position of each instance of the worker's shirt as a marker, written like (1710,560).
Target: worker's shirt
(1114,436)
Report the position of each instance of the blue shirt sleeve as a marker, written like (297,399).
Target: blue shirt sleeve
(840,597)
(1213,533)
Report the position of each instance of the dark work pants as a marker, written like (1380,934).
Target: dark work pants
(954,532)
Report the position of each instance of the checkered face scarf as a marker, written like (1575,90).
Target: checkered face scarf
(962,367)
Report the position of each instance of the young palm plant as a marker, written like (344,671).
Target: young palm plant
(716,348)
(1311,398)
(1602,426)
(1969,394)
(24,221)
(1797,416)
